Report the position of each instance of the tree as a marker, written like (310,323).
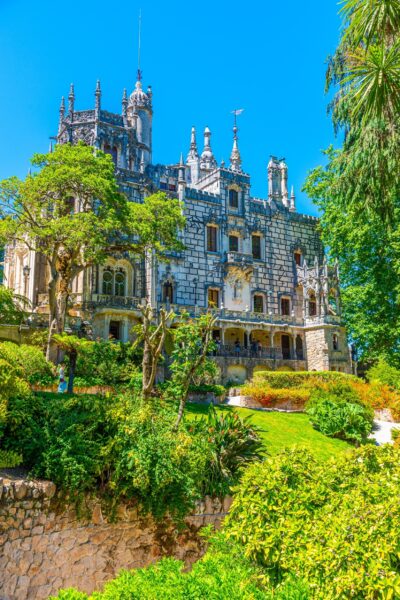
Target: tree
(193,342)
(72,212)
(358,191)
(72,346)
(11,312)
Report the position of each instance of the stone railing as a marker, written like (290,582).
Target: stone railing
(131,302)
(45,547)
(230,350)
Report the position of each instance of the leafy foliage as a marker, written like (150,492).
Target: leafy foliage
(9,459)
(29,360)
(233,442)
(222,574)
(335,523)
(11,312)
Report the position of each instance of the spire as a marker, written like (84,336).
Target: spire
(236,161)
(124,103)
(139,72)
(97,95)
(292,201)
(51,147)
(62,107)
(71,100)
(193,153)
(207,158)
(181,172)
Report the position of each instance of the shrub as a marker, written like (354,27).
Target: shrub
(382,372)
(29,360)
(293,379)
(106,363)
(233,443)
(337,524)
(338,411)
(205,388)
(270,397)
(9,459)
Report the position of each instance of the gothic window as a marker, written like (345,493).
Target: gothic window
(113,151)
(233,243)
(285,306)
(258,303)
(211,238)
(213,298)
(312,305)
(107,282)
(256,246)
(233,199)
(335,342)
(168,292)
(120,283)
(298,258)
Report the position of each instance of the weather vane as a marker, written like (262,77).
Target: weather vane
(139,72)
(236,112)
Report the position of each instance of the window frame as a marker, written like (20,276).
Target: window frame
(209,239)
(260,254)
(233,236)
(211,303)
(285,301)
(233,198)
(258,297)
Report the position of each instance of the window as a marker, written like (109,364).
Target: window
(335,342)
(233,199)
(113,151)
(256,246)
(163,185)
(258,303)
(299,348)
(120,283)
(168,292)
(233,243)
(108,282)
(297,258)
(285,306)
(211,238)
(172,187)
(312,306)
(213,298)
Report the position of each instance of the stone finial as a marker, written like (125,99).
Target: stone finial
(71,99)
(51,148)
(292,200)
(235,158)
(181,172)
(193,153)
(62,107)
(124,103)
(97,95)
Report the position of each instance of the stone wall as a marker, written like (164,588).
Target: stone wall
(45,547)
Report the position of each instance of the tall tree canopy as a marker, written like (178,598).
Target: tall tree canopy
(358,191)
(72,211)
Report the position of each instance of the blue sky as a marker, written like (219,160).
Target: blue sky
(202,59)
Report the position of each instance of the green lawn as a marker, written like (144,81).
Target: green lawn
(283,430)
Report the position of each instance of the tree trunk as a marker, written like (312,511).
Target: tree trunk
(71,374)
(58,299)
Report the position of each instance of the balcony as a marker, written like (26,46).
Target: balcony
(127,302)
(238,259)
(232,351)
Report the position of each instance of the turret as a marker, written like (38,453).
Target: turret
(292,201)
(192,159)
(181,179)
(284,178)
(71,101)
(207,160)
(97,106)
(140,116)
(62,115)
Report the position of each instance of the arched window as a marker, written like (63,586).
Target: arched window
(168,292)
(285,306)
(233,198)
(120,283)
(312,305)
(258,303)
(108,282)
(335,341)
(113,151)
(298,257)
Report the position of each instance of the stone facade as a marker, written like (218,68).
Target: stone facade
(45,547)
(257,263)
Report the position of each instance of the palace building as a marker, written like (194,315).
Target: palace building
(256,262)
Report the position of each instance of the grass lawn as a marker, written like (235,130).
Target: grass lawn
(283,430)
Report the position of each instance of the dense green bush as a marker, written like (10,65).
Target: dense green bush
(336,524)
(233,443)
(107,363)
(222,574)
(9,459)
(338,411)
(29,360)
(205,388)
(293,379)
(384,373)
